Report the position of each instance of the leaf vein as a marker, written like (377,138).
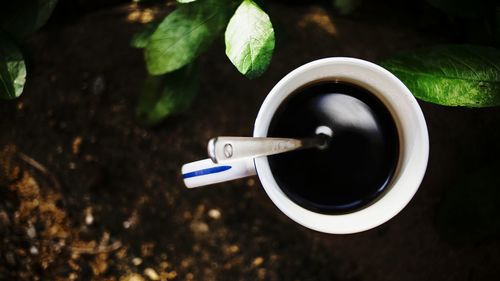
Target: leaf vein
(165,50)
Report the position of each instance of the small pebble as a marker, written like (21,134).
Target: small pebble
(187,262)
(89,218)
(233,249)
(214,214)
(164,265)
(257,261)
(199,227)
(132,277)
(147,249)
(196,248)
(171,275)
(98,85)
(136,261)
(4,219)
(9,257)
(187,215)
(75,146)
(121,253)
(34,250)
(151,274)
(261,273)
(75,255)
(273,258)
(132,221)
(250,182)
(31,231)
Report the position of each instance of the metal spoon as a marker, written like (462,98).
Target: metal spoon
(229,149)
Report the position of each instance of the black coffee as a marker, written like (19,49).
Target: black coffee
(361,156)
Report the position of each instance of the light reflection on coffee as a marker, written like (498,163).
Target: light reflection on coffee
(360,159)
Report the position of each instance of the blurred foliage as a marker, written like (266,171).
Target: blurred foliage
(184,34)
(167,94)
(346,7)
(453,75)
(141,39)
(18,19)
(21,18)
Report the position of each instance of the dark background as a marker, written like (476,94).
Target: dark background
(89,193)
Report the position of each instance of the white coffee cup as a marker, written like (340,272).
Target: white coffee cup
(413,141)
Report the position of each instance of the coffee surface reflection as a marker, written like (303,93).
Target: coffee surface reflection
(360,159)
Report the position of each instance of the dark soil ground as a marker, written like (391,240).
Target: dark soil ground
(88,193)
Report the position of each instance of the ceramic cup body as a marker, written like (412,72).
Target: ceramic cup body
(413,141)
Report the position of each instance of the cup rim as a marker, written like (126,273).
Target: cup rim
(412,130)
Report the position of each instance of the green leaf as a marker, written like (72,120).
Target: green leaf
(12,70)
(346,7)
(184,34)
(45,9)
(464,8)
(167,94)
(454,75)
(141,39)
(23,17)
(250,39)
(470,209)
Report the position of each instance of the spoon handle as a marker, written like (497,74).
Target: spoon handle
(228,149)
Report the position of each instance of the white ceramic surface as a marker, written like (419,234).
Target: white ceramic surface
(412,129)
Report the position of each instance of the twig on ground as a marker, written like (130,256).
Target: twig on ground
(38,166)
(96,250)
